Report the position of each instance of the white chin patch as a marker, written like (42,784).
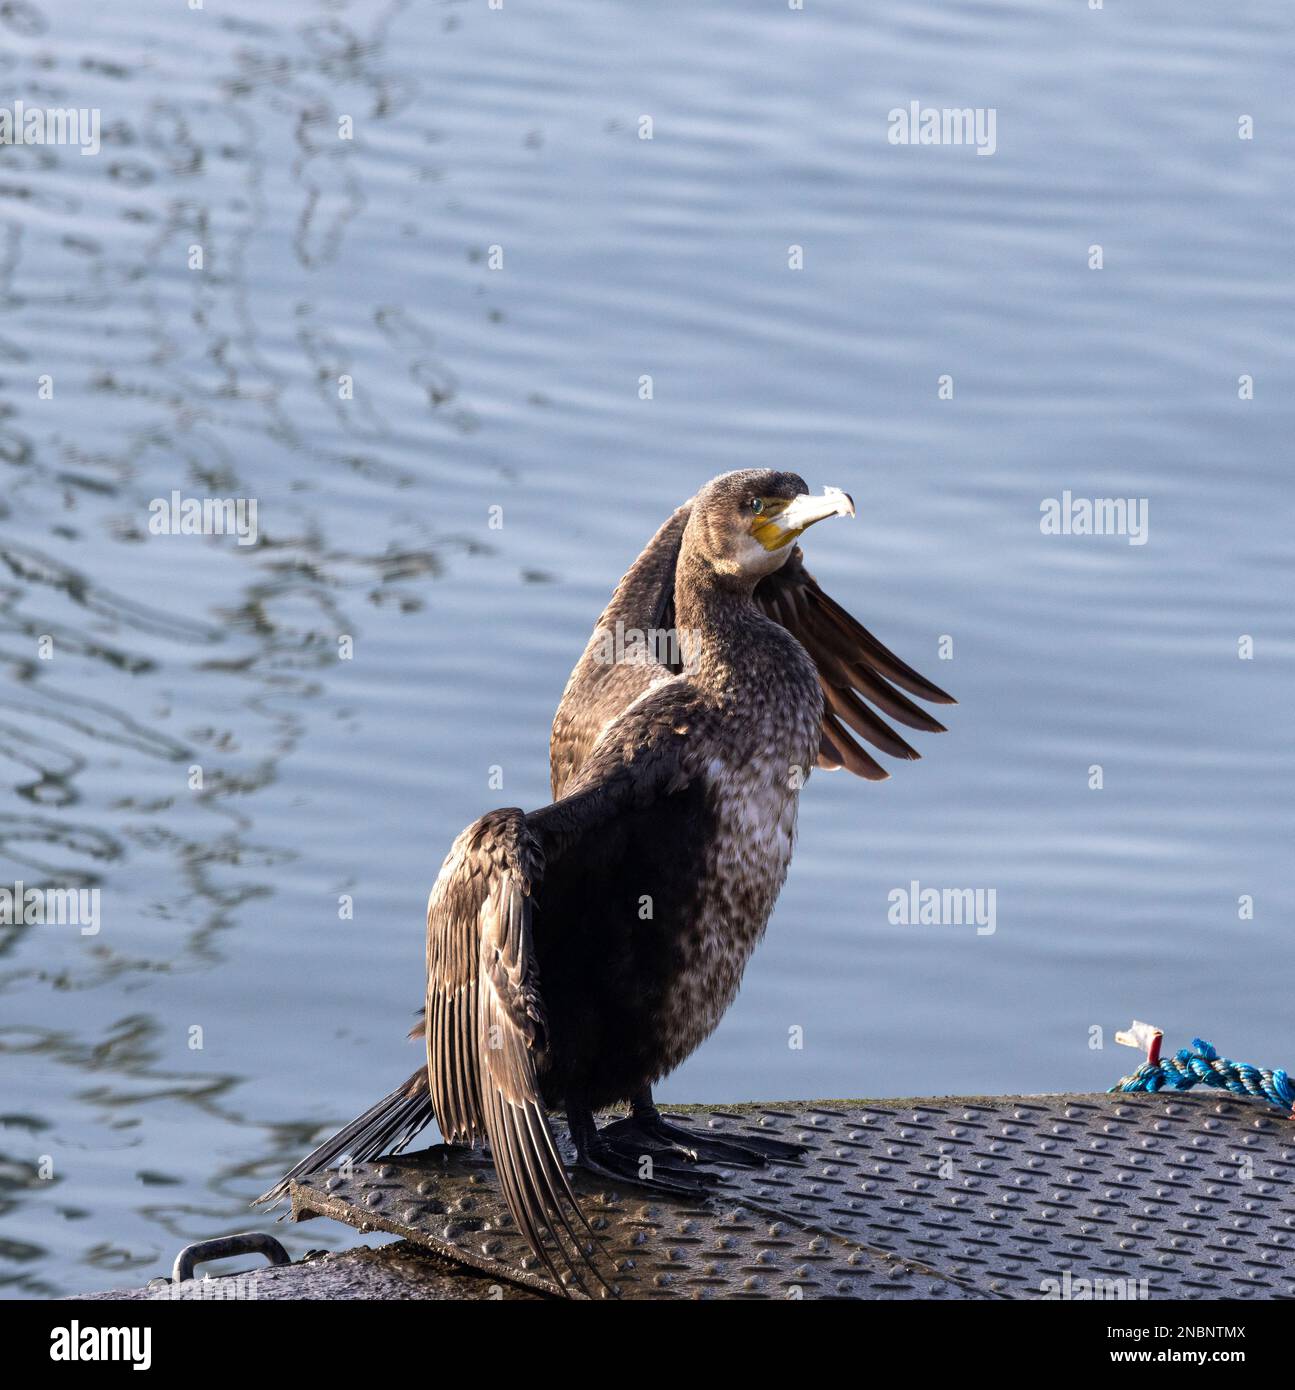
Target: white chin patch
(753,558)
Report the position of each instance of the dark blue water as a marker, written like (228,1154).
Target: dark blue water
(518,388)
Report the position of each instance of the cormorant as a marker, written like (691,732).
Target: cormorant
(578,953)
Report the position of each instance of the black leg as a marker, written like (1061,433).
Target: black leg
(646,1125)
(631,1157)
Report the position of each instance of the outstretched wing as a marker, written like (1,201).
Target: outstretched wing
(856,672)
(599,688)
(853,667)
(485,1025)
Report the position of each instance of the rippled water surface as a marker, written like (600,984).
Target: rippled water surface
(518,388)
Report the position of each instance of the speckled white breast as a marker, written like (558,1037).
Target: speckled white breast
(754,804)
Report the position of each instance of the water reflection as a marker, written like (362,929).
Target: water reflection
(155,288)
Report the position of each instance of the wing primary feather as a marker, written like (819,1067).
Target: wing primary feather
(852,756)
(543,1195)
(828,756)
(853,667)
(847,707)
(487,1035)
(888,699)
(841,663)
(554,1172)
(519,1205)
(839,660)
(880,656)
(542,1136)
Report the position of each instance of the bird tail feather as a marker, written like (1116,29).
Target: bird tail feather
(383,1128)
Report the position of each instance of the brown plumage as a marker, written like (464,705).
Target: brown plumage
(676,784)
(853,666)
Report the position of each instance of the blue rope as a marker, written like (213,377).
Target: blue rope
(1201,1065)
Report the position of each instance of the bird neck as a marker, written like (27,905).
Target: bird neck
(718,624)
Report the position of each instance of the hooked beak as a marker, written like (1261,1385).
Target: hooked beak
(782,522)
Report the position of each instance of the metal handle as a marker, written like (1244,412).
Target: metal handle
(247,1243)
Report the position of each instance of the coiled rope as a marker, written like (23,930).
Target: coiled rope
(1201,1065)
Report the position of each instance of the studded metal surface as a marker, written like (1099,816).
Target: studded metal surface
(1016,1197)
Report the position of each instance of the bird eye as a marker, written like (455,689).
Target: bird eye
(757,505)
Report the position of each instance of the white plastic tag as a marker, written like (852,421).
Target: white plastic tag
(1139,1035)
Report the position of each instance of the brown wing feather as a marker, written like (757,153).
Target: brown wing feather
(598,690)
(849,754)
(852,667)
(485,1024)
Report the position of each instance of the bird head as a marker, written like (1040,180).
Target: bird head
(744,523)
